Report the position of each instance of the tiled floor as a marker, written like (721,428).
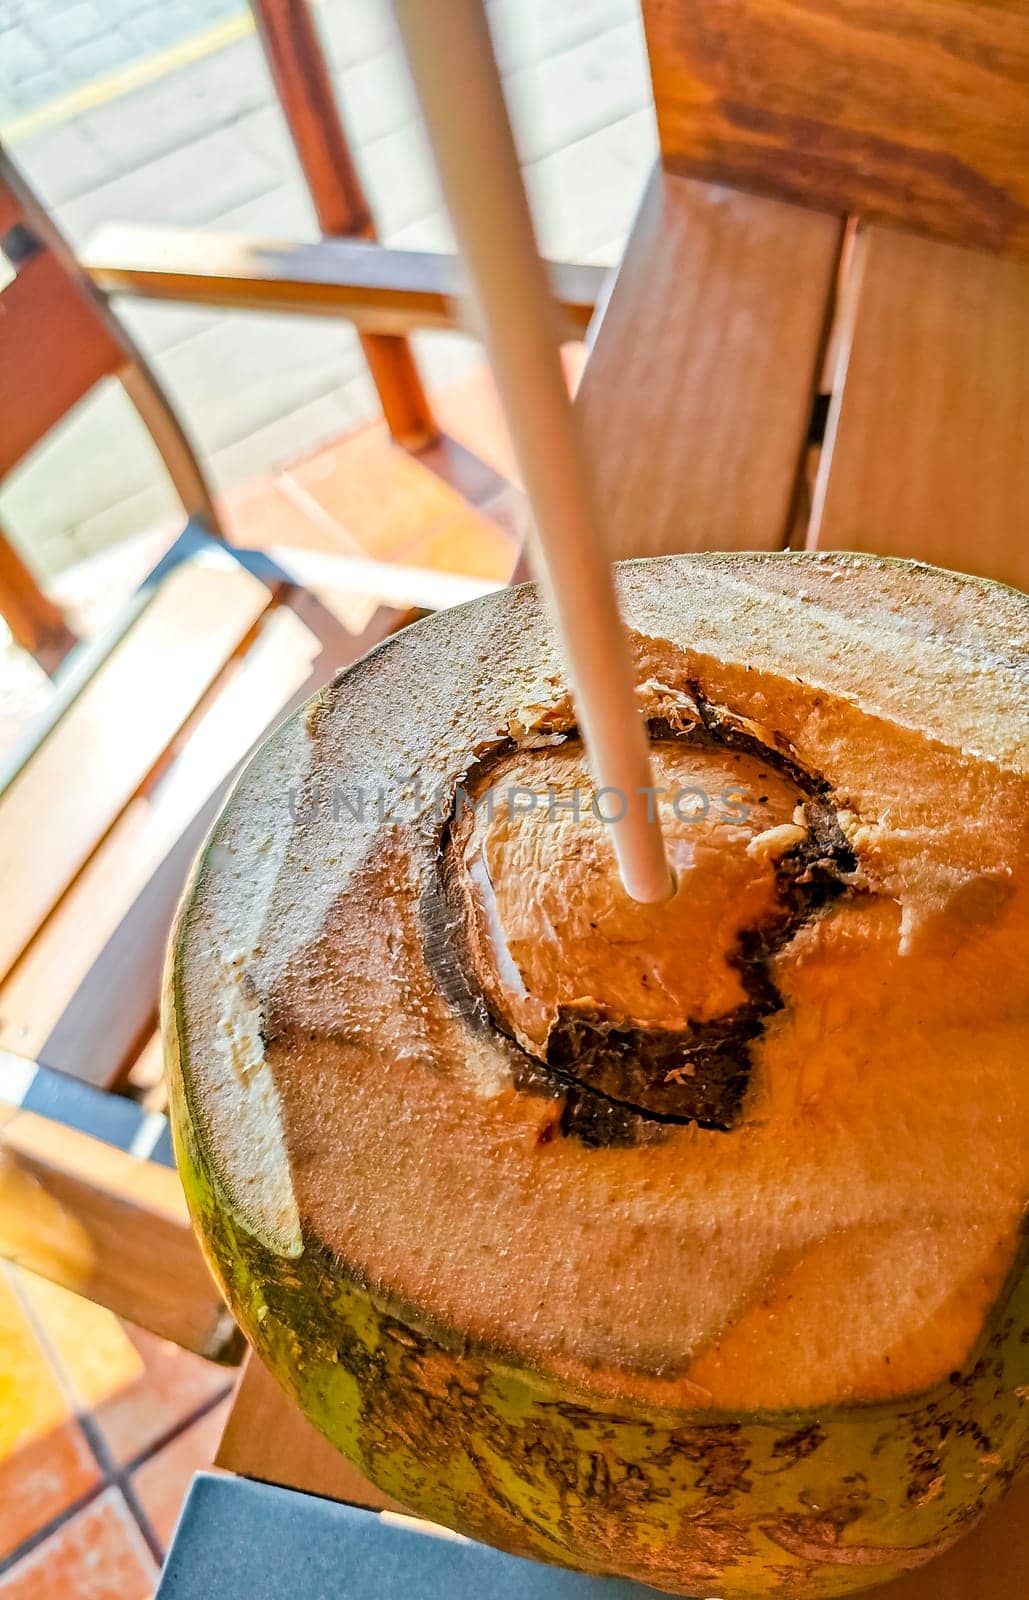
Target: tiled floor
(101,1428)
(97,1554)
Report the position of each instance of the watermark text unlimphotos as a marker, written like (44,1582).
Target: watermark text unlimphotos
(356,803)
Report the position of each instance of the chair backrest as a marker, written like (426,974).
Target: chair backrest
(822,321)
(59,337)
(55,345)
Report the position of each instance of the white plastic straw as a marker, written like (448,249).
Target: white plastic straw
(450,55)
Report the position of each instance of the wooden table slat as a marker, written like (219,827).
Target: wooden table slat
(697,396)
(927,450)
(86,991)
(107,1019)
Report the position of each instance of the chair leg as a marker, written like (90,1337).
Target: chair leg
(36,623)
(302,82)
(405,405)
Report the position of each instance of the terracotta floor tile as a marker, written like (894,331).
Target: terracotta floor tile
(379,495)
(45,1461)
(173,1386)
(97,1357)
(161,1482)
(99,1554)
(41,1478)
(480,550)
(260,514)
(469,409)
(473,477)
(138,1387)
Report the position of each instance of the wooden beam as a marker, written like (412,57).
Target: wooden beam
(55,348)
(110,1227)
(173,443)
(907,111)
(379,290)
(927,448)
(697,396)
(296,61)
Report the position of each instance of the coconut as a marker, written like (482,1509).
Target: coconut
(680,1242)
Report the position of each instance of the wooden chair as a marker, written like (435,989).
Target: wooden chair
(105,800)
(818,338)
(60,336)
(829,262)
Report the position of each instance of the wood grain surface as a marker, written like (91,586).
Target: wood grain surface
(378,290)
(111,1227)
(914,111)
(697,395)
(62,804)
(927,450)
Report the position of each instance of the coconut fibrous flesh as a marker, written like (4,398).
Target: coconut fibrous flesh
(684,1242)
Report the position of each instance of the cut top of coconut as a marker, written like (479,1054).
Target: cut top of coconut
(764,1146)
